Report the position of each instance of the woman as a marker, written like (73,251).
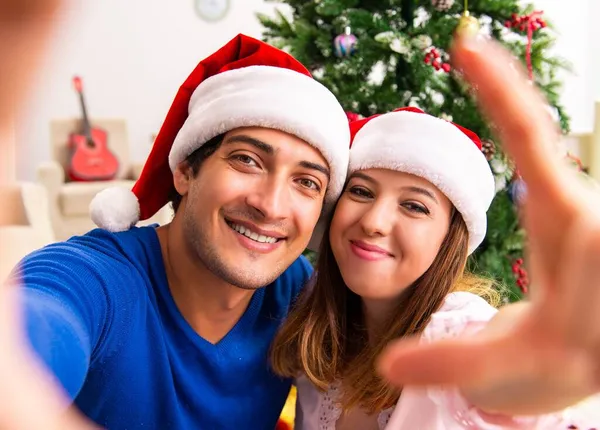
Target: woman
(392,264)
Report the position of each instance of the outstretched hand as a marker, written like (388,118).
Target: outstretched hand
(29,399)
(541,355)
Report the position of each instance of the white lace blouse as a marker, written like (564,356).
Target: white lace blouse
(432,408)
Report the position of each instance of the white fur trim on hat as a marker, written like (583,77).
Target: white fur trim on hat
(115,209)
(433,149)
(270,97)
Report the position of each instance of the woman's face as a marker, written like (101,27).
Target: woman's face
(387,230)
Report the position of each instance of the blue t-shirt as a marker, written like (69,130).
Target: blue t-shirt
(100,314)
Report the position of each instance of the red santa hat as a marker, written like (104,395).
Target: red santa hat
(245,83)
(446,154)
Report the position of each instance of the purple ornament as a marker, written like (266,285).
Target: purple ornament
(517,191)
(345,44)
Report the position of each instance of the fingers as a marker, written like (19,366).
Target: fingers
(579,284)
(511,103)
(462,363)
(25,29)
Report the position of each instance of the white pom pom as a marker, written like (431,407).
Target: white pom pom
(115,209)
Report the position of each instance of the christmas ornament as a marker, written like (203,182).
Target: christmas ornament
(521,274)
(517,190)
(468,26)
(442,5)
(345,44)
(488,148)
(527,23)
(434,58)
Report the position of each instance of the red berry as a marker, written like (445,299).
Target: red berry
(427,60)
(519,261)
(520,282)
(522,272)
(446,67)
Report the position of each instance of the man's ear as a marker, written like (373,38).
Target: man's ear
(182,177)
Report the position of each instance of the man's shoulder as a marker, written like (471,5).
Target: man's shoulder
(285,289)
(101,243)
(98,252)
(298,273)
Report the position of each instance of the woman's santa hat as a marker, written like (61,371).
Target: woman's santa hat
(245,83)
(446,154)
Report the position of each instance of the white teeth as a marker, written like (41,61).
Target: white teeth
(252,235)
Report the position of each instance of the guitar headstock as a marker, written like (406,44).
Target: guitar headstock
(78,84)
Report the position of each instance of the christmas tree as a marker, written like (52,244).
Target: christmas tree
(376,55)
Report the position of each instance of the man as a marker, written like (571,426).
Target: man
(169,327)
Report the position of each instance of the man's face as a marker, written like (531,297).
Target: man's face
(252,208)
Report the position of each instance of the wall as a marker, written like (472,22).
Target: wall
(576,24)
(134,54)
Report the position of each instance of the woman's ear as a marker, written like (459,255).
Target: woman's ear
(182,177)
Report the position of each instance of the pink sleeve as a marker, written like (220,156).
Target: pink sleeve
(466,314)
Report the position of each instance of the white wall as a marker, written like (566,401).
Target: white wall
(576,22)
(134,54)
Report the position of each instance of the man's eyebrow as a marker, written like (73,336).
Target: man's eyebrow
(315,166)
(257,143)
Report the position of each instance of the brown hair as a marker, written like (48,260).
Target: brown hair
(325,335)
(194,161)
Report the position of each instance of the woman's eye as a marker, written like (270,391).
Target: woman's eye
(360,192)
(416,207)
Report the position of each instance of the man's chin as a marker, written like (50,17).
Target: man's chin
(250,273)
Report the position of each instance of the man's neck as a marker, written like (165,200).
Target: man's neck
(209,304)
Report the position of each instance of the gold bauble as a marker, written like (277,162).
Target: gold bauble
(468,26)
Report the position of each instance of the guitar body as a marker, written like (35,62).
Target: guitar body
(91,161)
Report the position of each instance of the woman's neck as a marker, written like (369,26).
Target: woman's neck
(376,313)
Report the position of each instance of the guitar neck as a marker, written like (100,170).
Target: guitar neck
(87,128)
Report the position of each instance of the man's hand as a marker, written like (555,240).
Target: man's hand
(29,398)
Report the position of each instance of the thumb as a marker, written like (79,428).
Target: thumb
(466,363)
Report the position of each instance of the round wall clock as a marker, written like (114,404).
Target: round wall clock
(212,10)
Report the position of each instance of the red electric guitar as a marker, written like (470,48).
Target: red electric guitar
(91,160)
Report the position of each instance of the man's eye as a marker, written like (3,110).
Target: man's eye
(309,183)
(245,159)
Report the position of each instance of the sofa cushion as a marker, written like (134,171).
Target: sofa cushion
(75,197)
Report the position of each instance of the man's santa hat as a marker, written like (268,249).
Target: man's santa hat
(446,154)
(245,83)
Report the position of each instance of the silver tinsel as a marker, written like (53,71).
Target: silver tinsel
(442,5)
